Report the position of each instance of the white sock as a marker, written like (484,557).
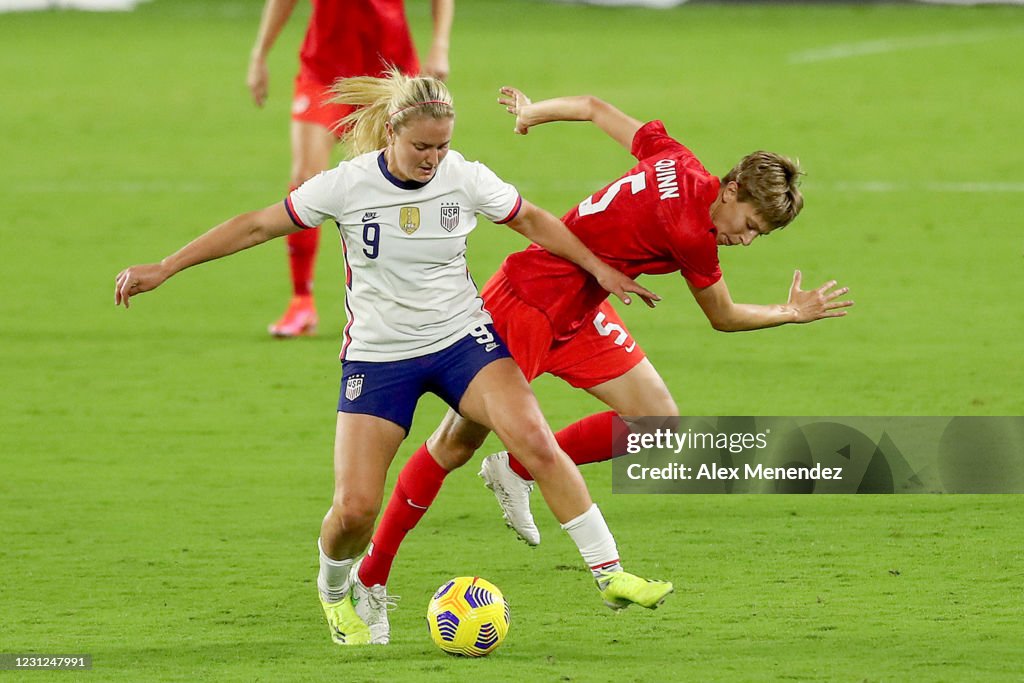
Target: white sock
(595,542)
(332,581)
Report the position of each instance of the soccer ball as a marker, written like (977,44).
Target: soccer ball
(468,616)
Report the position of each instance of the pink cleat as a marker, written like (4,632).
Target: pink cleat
(299,320)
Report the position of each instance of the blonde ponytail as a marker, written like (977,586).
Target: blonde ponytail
(395,97)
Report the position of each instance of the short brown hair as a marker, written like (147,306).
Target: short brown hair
(769,182)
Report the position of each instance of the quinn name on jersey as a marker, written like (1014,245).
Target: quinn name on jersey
(408,288)
(654,219)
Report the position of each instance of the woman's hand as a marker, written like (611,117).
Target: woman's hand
(517,103)
(136,280)
(257,79)
(436,64)
(620,284)
(815,304)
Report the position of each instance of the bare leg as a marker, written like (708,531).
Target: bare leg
(639,392)
(418,484)
(499,398)
(364,447)
(311,150)
(455,440)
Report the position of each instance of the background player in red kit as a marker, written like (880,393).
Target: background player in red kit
(666,214)
(345,38)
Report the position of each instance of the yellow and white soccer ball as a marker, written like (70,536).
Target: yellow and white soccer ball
(468,616)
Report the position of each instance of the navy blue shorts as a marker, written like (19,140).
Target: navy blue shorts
(391,389)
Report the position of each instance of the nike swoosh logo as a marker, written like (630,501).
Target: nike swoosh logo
(418,507)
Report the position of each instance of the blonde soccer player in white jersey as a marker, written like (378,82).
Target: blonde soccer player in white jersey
(404,205)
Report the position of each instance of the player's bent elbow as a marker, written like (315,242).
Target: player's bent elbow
(722,324)
(593,105)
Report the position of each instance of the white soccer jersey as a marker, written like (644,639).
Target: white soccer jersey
(408,289)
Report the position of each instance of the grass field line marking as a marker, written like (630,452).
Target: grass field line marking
(219,10)
(884,45)
(157,187)
(879,186)
(136,186)
(872,186)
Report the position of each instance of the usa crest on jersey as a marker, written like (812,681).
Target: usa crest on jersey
(450,216)
(354,387)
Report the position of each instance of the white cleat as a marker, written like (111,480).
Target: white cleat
(513,494)
(372,605)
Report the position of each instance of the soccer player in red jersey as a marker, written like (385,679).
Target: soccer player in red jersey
(345,38)
(666,214)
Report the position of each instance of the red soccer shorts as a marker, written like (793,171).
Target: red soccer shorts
(601,351)
(310,104)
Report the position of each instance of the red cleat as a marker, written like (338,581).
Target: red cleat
(299,320)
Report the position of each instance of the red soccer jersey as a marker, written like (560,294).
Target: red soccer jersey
(357,38)
(654,219)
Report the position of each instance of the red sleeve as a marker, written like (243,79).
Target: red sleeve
(702,270)
(692,237)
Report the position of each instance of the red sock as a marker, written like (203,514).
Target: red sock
(585,441)
(302,257)
(417,486)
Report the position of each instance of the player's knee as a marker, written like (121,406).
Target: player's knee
(534,445)
(665,406)
(655,403)
(668,411)
(354,514)
(452,449)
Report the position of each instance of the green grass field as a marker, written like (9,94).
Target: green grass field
(163,471)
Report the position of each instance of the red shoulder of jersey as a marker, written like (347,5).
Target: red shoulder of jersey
(652,138)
